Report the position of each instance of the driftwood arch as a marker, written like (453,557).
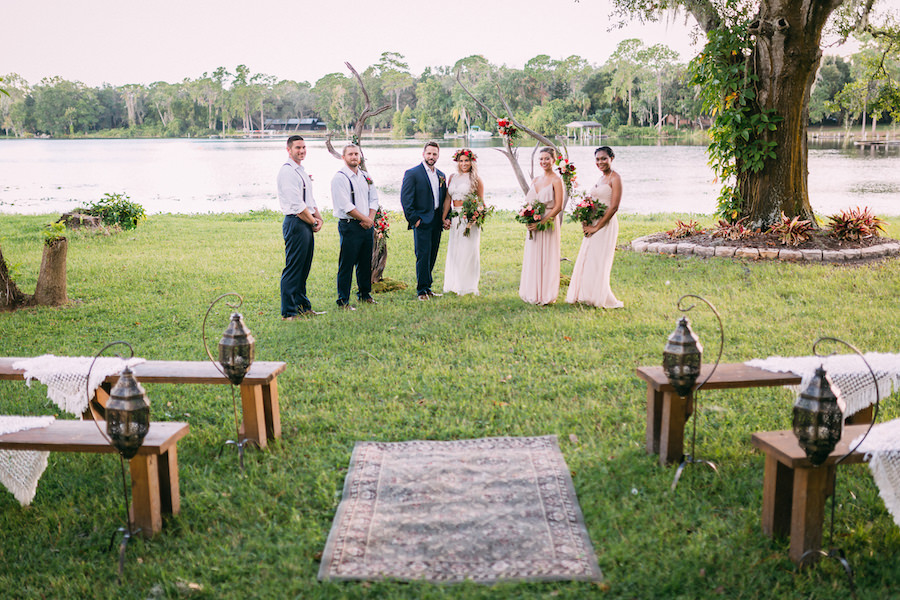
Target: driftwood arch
(360,121)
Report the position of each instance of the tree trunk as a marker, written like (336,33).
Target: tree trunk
(379,259)
(11,297)
(51,284)
(786,58)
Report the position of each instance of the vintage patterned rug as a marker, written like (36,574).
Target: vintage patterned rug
(486,510)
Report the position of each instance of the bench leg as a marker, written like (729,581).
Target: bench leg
(671,430)
(808,511)
(146,509)
(778,490)
(654,418)
(271,410)
(254,427)
(169,491)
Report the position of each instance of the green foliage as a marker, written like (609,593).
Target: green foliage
(684,230)
(739,137)
(792,231)
(54,232)
(116,209)
(855,224)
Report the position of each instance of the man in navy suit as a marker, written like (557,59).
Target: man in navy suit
(422,195)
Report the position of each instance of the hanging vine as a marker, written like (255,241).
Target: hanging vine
(739,136)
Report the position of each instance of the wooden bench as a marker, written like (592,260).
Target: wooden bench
(667,412)
(154,470)
(794,491)
(259,390)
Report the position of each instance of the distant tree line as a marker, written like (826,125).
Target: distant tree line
(639,86)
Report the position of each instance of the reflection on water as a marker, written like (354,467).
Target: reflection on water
(199,176)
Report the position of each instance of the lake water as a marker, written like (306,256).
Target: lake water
(214,176)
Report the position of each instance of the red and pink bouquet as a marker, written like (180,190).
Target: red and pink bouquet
(588,210)
(507,129)
(474,212)
(528,213)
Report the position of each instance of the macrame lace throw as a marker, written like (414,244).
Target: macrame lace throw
(66,377)
(882,446)
(849,375)
(20,470)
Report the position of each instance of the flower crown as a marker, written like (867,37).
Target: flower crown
(464,152)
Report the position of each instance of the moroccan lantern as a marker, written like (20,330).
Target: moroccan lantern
(818,419)
(127,415)
(236,349)
(682,357)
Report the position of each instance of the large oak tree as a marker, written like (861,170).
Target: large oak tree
(783,56)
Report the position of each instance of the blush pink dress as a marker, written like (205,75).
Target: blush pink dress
(590,277)
(540,265)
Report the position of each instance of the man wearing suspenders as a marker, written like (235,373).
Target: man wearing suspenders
(355,203)
(301,221)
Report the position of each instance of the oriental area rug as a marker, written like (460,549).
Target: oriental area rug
(486,510)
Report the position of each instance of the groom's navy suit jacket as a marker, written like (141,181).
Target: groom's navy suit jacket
(418,199)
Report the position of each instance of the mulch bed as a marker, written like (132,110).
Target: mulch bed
(817,241)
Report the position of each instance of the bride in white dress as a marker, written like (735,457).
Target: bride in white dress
(591,275)
(463,267)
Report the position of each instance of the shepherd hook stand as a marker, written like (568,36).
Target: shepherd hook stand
(689,459)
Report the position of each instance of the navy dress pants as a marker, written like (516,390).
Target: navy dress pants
(299,243)
(357,245)
(427,242)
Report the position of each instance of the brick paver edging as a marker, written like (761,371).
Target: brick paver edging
(684,248)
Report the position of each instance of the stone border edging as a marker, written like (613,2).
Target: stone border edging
(641,245)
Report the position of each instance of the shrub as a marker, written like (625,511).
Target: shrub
(54,232)
(116,209)
(732,231)
(855,224)
(683,230)
(792,232)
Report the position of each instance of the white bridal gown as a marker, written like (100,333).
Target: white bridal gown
(590,277)
(463,267)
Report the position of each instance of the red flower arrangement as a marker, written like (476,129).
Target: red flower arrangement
(507,129)
(528,213)
(566,170)
(382,226)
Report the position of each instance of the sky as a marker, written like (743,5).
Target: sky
(109,41)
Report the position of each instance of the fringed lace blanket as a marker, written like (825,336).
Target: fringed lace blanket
(849,375)
(20,470)
(66,377)
(882,446)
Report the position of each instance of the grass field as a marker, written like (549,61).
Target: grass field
(455,368)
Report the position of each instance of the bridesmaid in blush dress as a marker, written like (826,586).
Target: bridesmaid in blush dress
(540,265)
(590,277)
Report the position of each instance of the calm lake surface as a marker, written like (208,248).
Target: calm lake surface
(215,176)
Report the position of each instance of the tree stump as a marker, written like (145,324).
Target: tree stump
(11,297)
(379,259)
(75,220)
(51,284)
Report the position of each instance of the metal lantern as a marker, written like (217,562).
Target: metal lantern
(681,358)
(236,349)
(127,415)
(818,419)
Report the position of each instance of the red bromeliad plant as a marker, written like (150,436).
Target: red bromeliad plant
(855,224)
(732,231)
(792,231)
(683,230)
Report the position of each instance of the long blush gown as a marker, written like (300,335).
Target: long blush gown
(540,265)
(463,267)
(590,277)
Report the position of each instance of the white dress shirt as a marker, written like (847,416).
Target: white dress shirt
(295,189)
(433,179)
(364,195)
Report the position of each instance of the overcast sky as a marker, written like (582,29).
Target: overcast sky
(119,42)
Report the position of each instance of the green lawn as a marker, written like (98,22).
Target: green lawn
(455,368)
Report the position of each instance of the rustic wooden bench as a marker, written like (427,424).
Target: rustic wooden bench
(259,390)
(154,470)
(794,491)
(667,412)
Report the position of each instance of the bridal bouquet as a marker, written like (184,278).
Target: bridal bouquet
(528,213)
(474,212)
(588,210)
(381,224)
